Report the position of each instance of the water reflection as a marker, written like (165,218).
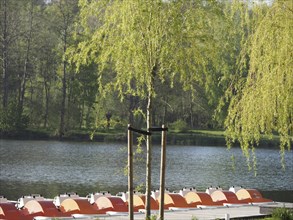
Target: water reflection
(52,167)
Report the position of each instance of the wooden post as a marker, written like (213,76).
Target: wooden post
(163,171)
(130,175)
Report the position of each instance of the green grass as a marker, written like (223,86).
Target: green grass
(281,214)
(209,132)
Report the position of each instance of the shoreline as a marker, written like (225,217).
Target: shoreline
(275,195)
(194,137)
(284,195)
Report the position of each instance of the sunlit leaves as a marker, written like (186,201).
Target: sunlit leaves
(137,38)
(265,105)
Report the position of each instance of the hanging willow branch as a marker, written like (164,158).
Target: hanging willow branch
(265,104)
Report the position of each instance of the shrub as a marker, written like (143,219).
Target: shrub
(179,125)
(282,214)
(12,119)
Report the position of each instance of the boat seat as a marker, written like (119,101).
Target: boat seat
(42,208)
(196,199)
(226,197)
(115,204)
(79,206)
(174,200)
(139,203)
(251,195)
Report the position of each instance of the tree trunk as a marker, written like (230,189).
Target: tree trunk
(31,92)
(149,158)
(165,111)
(191,113)
(81,118)
(69,100)
(149,144)
(132,104)
(26,61)
(5,56)
(67,15)
(130,175)
(47,92)
(88,121)
(63,101)
(163,173)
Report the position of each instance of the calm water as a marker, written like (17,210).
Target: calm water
(52,167)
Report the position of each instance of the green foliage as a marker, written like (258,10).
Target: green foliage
(152,217)
(118,124)
(13,119)
(264,103)
(194,218)
(140,188)
(115,123)
(179,125)
(139,42)
(282,214)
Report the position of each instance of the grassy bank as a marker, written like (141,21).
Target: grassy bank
(191,137)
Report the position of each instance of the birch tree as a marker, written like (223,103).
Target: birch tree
(143,42)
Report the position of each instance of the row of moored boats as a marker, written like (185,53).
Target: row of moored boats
(72,206)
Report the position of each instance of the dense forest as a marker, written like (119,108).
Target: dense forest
(85,65)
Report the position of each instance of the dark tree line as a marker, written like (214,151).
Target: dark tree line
(39,89)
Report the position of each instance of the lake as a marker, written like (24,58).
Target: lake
(53,167)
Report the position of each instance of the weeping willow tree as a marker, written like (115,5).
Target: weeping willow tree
(264,105)
(139,42)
